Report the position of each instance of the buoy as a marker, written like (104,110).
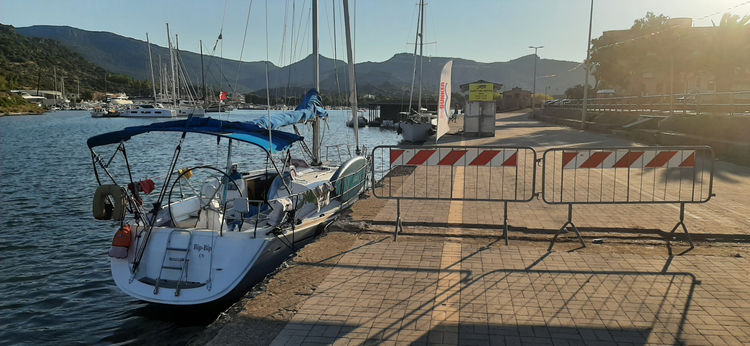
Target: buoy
(121,243)
(103,208)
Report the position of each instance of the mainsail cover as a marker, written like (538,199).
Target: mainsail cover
(310,107)
(444,107)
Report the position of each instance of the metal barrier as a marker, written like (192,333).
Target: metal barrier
(627,175)
(476,173)
(731,103)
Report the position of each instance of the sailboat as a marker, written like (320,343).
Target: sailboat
(210,243)
(417,124)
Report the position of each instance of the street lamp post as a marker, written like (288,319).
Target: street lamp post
(588,67)
(533,90)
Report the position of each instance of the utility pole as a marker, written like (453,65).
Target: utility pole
(533,90)
(671,86)
(588,70)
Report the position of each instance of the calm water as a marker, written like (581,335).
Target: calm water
(54,270)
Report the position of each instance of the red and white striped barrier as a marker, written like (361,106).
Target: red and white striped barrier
(454,157)
(629,158)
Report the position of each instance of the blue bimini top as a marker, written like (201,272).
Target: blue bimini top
(243,131)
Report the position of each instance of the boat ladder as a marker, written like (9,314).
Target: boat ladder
(174,253)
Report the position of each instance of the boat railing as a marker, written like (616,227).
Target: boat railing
(338,149)
(317,197)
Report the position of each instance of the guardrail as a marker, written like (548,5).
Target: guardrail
(627,175)
(486,173)
(694,103)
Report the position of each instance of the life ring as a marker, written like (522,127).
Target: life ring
(103,198)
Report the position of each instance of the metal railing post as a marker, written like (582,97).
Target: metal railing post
(399,228)
(562,229)
(505,221)
(684,228)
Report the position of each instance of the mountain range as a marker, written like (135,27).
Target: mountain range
(46,64)
(129,56)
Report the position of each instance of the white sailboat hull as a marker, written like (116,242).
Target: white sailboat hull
(191,112)
(222,262)
(415,133)
(220,267)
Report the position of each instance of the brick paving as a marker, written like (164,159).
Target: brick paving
(447,290)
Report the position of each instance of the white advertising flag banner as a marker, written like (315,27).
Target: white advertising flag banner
(444,101)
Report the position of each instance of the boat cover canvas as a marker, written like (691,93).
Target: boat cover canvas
(243,131)
(306,111)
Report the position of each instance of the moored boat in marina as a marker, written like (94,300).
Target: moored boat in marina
(417,125)
(105,112)
(148,111)
(211,243)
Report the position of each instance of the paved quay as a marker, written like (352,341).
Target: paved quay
(450,279)
(450,292)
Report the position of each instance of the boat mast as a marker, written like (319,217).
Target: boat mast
(203,75)
(177,63)
(161,78)
(316,82)
(171,63)
(106,97)
(352,78)
(421,56)
(151,66)
(414,69)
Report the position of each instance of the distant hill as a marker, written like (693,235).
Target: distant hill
(29,62)
(130,57)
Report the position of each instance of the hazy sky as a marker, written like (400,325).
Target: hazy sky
(482,30)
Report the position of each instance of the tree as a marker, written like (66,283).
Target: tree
(576,92)
(4,84)
(731,59)
(621,58)
(667,53)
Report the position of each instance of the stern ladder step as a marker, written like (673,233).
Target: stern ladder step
(180,255)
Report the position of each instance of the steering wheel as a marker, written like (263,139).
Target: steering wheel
(205,203)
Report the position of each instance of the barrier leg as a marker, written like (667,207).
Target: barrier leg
(562,229)
(505,221)
(684,228)
(399,228)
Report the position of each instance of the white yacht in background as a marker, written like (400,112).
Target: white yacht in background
(190,109)
(148,111)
